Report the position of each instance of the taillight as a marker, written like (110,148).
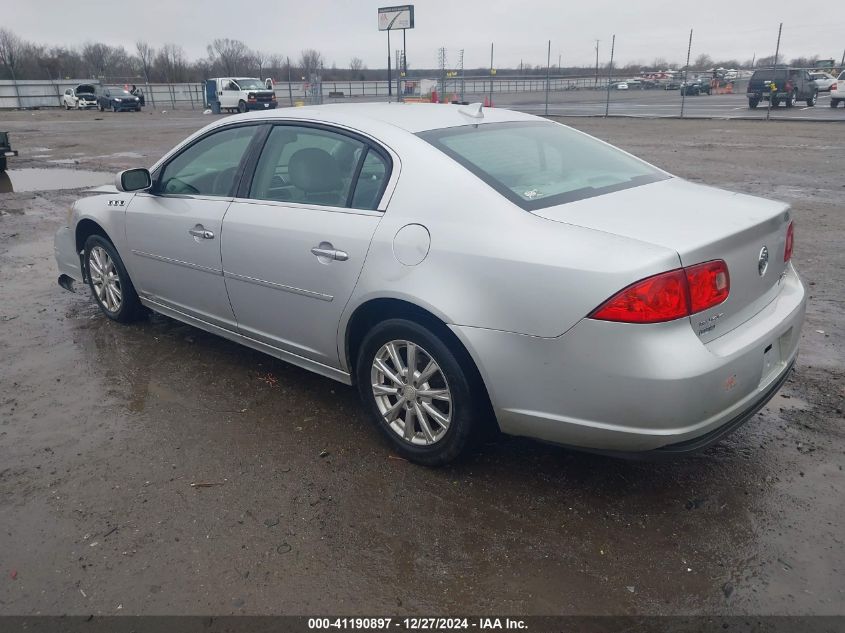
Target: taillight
(790,240)
(833,86)
(668,296)
(709,285)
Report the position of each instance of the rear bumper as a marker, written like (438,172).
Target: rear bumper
(632,388)
(9,152)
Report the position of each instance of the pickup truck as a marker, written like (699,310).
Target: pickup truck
(5,149)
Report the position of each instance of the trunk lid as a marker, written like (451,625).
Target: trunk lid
(700,223)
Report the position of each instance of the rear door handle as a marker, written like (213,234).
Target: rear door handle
(330,253)
(200,231)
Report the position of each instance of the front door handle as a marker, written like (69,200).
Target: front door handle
(326,250)
(199,231)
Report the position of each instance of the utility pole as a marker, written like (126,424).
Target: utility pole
(842,63)
(686,70)
(491,74)
(597,64)
(548,64)
(775,65)
(609,76)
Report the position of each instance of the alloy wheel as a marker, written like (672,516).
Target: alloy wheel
(105,279)
(411,392)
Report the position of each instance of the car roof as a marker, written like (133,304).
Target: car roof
(411,117)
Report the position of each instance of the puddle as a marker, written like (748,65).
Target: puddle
(16,180)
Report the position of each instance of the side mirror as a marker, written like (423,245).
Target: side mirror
(133,180)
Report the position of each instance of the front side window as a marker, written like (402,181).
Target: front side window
(541,164)
(208,167)
(316,166)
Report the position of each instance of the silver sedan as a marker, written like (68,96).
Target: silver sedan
(464,267)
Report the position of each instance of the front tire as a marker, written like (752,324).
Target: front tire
(418,392)
(100,107)
(109,282)
(753,103)
(812,100)
(241,106)
(834,103)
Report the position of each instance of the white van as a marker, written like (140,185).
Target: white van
(242,94)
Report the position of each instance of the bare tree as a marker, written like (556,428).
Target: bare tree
(703,62)
(170,63)
(11,51)
(146,54)
(229,54)
(310,61)
(356,64)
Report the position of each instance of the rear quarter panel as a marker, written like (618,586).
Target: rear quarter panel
(491,264)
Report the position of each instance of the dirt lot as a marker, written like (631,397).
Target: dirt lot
(104,428)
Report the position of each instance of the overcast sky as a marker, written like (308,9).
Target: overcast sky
(645,29)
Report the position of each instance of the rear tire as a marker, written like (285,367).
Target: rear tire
(753,103)
(402,399)
(790,100)
(834,103)
(2,163)
(67,107)
(775,102)
(100,107)
(812,100)
(109,282)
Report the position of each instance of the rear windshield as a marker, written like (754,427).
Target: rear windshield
(539,164)
(768,75)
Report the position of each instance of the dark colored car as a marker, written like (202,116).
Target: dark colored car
(117,99)
(5,149)
(695,87)
(781,84)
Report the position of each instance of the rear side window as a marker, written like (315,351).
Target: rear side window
(541,164)
(316,166)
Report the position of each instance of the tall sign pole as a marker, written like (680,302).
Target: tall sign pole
(394,19)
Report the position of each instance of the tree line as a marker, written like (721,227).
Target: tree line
(168,63)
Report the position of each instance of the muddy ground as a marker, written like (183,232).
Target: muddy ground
(103,429)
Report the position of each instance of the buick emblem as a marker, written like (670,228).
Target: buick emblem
(763,261)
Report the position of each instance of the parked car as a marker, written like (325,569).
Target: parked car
(781,84)
(672,84)
(837,91)
(550,283)
(117,99)
(81,97)
(622,85)
(6,150)
(241,94)
(823,81)
(695,87)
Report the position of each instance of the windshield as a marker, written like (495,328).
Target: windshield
(541,164)
(250,84)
